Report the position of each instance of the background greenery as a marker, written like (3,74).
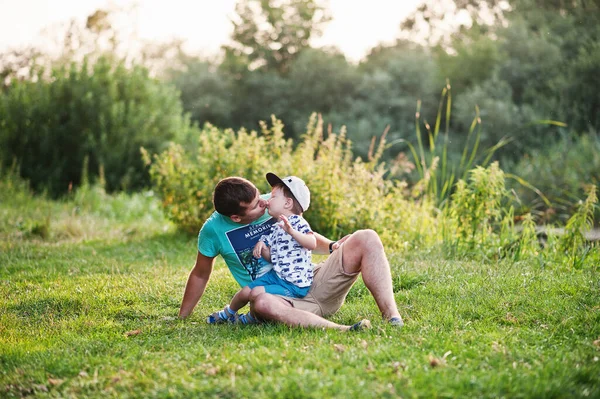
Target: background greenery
(526,71)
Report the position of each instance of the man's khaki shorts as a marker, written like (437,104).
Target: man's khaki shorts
(330,286)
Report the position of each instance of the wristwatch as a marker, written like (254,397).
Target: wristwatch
(331,246)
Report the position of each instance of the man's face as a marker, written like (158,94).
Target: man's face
(253,210)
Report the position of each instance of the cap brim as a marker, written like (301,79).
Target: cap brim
(273,179)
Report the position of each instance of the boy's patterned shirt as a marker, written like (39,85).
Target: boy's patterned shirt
(291,261)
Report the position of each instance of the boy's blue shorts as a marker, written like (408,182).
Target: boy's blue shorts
(277,286)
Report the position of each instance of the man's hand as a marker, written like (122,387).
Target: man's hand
(339,242)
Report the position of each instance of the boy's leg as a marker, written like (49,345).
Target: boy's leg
(240,299)
(250,317)
(229,313)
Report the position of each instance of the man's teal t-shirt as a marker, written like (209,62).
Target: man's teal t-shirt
(234,242)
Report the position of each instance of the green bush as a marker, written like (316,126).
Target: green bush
(346,193)
(476,221)
(103,112)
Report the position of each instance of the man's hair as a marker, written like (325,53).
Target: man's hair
(287,193)
(230,193)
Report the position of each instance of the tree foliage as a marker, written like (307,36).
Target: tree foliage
(102,112)
(270,34)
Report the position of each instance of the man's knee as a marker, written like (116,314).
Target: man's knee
(363,244)
(254,293)
(366,239)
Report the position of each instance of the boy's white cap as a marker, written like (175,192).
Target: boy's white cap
(296,185)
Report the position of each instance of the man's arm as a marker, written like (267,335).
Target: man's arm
(196,284)
(323,244)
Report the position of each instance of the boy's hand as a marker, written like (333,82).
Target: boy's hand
(258,248)
(285,224)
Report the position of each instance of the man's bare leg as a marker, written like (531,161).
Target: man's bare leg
(275,308)
(364,252)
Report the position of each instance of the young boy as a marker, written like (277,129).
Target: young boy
(288,247)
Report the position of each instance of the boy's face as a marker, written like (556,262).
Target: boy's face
(253,210)
(278,203)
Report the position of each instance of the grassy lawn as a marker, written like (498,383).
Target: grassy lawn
(91,288)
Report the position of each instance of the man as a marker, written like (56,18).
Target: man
(232,231)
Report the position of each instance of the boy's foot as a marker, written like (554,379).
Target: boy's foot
(396,321)
(361,325)
(222,316)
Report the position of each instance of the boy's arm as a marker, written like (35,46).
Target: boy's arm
(308,241)
(196,284)
(266,253)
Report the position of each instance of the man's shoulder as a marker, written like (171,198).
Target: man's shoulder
(219,223)
(215,225)
(214,219)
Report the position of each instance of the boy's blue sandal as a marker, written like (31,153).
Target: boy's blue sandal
(221,316)
(245,318)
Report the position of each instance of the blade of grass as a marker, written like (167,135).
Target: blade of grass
(530,186)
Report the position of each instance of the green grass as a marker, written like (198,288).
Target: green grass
(89,310)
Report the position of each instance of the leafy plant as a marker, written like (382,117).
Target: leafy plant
(572,243)
(436,170)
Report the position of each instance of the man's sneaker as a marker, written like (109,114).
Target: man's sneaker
(396,321)
(361,325)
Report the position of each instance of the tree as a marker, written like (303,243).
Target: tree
(393,80)
(206,92)
(439,23)
(319,81)
(269,34)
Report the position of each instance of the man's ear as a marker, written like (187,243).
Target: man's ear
(235,218)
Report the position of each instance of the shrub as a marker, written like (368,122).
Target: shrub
(104,112)
(476,221)
(346,193)
(349,193)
